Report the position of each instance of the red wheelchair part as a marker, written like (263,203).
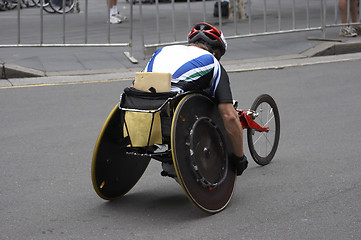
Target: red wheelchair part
(247,121)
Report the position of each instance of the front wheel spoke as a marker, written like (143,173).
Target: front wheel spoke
(269,120)
(268,142)
(270,111)
(255,142)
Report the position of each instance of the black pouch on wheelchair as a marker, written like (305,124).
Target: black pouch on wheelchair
(137,99)
(145,128)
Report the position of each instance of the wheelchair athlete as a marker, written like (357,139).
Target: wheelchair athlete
(197,67)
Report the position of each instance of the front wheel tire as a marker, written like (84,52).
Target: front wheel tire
(263,145)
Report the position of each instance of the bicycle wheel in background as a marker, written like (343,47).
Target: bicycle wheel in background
(263,145)
(57,5)
(46,5)
(28,3)
(12,4)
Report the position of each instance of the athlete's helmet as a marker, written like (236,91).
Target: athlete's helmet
(205,32)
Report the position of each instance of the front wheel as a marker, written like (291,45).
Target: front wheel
(263,145)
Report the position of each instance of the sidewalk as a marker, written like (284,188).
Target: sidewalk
(110,62)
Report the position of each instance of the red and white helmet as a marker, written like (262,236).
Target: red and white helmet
(205,32)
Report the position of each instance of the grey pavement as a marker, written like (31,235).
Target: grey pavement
(80,63)
(311,190)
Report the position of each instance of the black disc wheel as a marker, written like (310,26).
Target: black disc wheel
(208,156)
(114,172)
(263,145)
(200,153)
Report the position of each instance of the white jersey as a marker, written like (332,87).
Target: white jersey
(185,63)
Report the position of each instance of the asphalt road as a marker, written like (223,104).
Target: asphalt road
(311,190)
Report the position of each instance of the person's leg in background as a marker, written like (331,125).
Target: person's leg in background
(114,18)
(349,31)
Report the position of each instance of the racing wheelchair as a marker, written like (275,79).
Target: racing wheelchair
(183,130)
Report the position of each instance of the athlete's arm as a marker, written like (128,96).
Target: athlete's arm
(233,127)
(229,114)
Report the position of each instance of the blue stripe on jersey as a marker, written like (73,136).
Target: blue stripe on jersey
(215,82)
(151,62)
(199,62)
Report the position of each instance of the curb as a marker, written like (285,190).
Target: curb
(333,48)
(15,72)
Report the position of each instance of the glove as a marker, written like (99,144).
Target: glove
(240,162)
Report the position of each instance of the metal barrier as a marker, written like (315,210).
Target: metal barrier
(264,18)
(258,22)
(65,42)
